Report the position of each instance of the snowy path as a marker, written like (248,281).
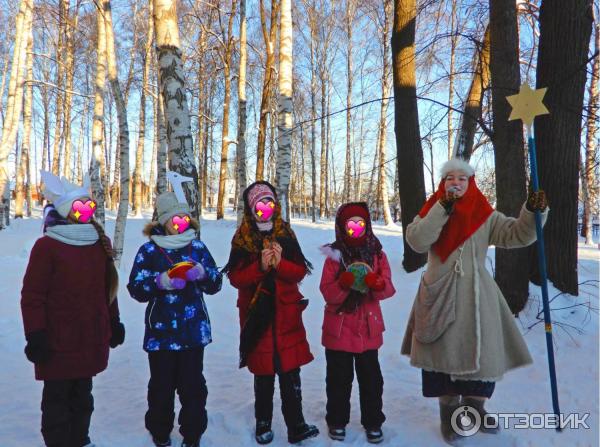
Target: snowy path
(120,392)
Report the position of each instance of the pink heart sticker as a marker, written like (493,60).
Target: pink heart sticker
(181,223)
(264,211)
(355,228)
(83,211)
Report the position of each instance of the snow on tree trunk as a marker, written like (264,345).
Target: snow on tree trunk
(179,133)
(284,126)
(14,104)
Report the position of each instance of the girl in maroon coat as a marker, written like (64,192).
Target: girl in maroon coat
(356,276)
(70,311)
(265,265)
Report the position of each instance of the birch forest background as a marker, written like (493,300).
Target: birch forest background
(331,101)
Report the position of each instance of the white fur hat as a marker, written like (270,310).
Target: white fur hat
(62,193)
(456,164)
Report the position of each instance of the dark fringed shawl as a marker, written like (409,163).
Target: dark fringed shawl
(246,246)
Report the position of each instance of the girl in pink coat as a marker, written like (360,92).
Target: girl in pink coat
(356,276)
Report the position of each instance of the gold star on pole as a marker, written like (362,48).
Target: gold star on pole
(527,104)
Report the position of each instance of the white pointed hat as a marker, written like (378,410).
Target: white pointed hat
(62,193)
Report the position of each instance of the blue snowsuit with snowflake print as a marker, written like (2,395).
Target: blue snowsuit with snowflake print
(177,330)
(175,319)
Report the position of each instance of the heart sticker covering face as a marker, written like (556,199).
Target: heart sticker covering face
(264,211)
(83,211)
(181,223)
(355,228)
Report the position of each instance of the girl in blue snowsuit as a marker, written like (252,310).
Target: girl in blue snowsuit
(176,319)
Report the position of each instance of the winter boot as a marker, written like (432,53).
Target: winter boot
(477,404)
(301,432)
(374,435)
(190,443)
(264,434)
(448,404)
(161,442)
(337,434)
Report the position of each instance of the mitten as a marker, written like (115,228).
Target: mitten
(346,280)
(536,201)
(117,336)
(448,204)
(37,349)
(374,282)
(165,283)
(196,273)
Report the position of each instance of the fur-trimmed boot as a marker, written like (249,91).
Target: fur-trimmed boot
(448,404)
(478,404)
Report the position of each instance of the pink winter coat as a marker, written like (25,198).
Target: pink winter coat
(359,331)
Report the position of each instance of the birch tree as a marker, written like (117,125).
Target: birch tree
(70,29)
(284,127)
(349,18)
(589,185)
(23,183)
(382,189)
(123,133)
(172,86)
(227,42)
(268,81)
(63,12)
(139,154)
(98,121)
(241,136)
(14,103)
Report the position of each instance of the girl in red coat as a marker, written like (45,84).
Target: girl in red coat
(356,276)
(265,265)
(70,311)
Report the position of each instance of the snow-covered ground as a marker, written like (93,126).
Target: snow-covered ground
(120,391)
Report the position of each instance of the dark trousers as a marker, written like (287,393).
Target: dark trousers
(436,384)
(291,397)
(340,374)
(179,371)
(67,407)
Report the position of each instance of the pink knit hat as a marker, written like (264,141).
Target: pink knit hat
(257,193)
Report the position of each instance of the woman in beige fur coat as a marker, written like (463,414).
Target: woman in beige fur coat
(461,332)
